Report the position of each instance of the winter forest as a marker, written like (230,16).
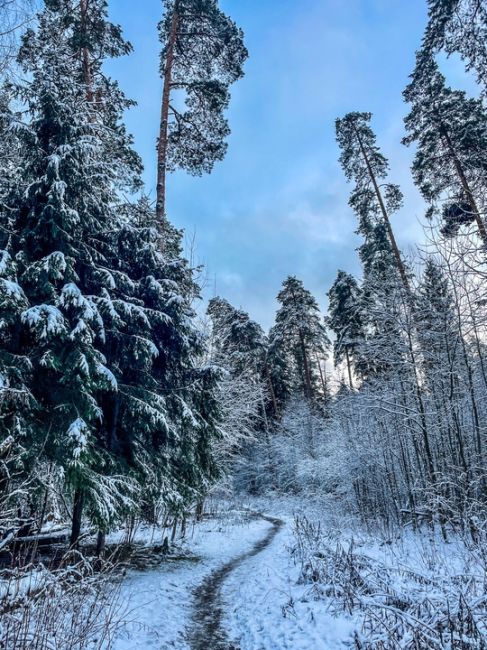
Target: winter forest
(172,473)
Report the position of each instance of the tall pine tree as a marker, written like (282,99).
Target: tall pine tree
(363,162)
(450,165)
(299,339)
(202,55)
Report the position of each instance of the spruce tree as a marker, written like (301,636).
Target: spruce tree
(239,341)
(168,412)
(300,339)
(239,347)
(75,156)
(202,55)
(380,350)
(450,132)
(345,320)
(363,162)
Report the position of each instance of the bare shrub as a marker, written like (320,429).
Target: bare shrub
(70,608)
(396,606)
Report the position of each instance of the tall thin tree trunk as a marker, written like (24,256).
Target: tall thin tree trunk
(85,55)
(390,232)
(465,184)
(307,372)
(349,368)
(164,125)
(272,391)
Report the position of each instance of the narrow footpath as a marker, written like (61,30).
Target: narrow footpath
(207,631)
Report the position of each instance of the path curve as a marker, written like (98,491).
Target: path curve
(207,631)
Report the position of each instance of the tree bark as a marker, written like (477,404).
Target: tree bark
(164,125)
(100,543)
(349,368)
(85,55)
(78,503)
(465,184)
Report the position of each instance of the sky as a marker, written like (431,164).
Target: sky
(278,204)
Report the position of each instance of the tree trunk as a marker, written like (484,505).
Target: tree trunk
(85,55)
(390,232)
(78,503)
(164,125)
(100,543)
(349,368)
(307,373)
(200,510)
(465,184)
(272,391)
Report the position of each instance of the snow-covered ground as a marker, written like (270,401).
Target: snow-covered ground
(157,603)
(268,609)
(267,605)
(264,607)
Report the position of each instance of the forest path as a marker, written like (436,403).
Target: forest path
(207,629)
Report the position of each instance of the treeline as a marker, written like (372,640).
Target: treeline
(412,436)
(109,403)
(403,437)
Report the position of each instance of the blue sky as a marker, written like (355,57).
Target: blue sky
(277,205)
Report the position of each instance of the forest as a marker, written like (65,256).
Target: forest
(175,475)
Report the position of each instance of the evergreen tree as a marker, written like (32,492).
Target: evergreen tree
(363,163)
(300,338)
(279,372)
(345,320)
(168,412)
(450,131)
(238,341)
(202,55)
(239,348)
(380,349)
(75,155)
(457,26)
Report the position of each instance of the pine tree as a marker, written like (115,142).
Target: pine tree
(300,339)
(363,163)
(450,131)
(457,26)
(345,320)
(202,55)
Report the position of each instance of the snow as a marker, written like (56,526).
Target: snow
(265,607)
(108,375)
(5,259)
(12,289)
(269,610)
(48,317)
(158,603)
(77,432)
(266,603)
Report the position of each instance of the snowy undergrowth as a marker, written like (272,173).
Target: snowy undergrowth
(75,606)
(410,591)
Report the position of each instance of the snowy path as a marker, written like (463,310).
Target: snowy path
(244,593)
(207,620)
(157,605)
(269,609)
